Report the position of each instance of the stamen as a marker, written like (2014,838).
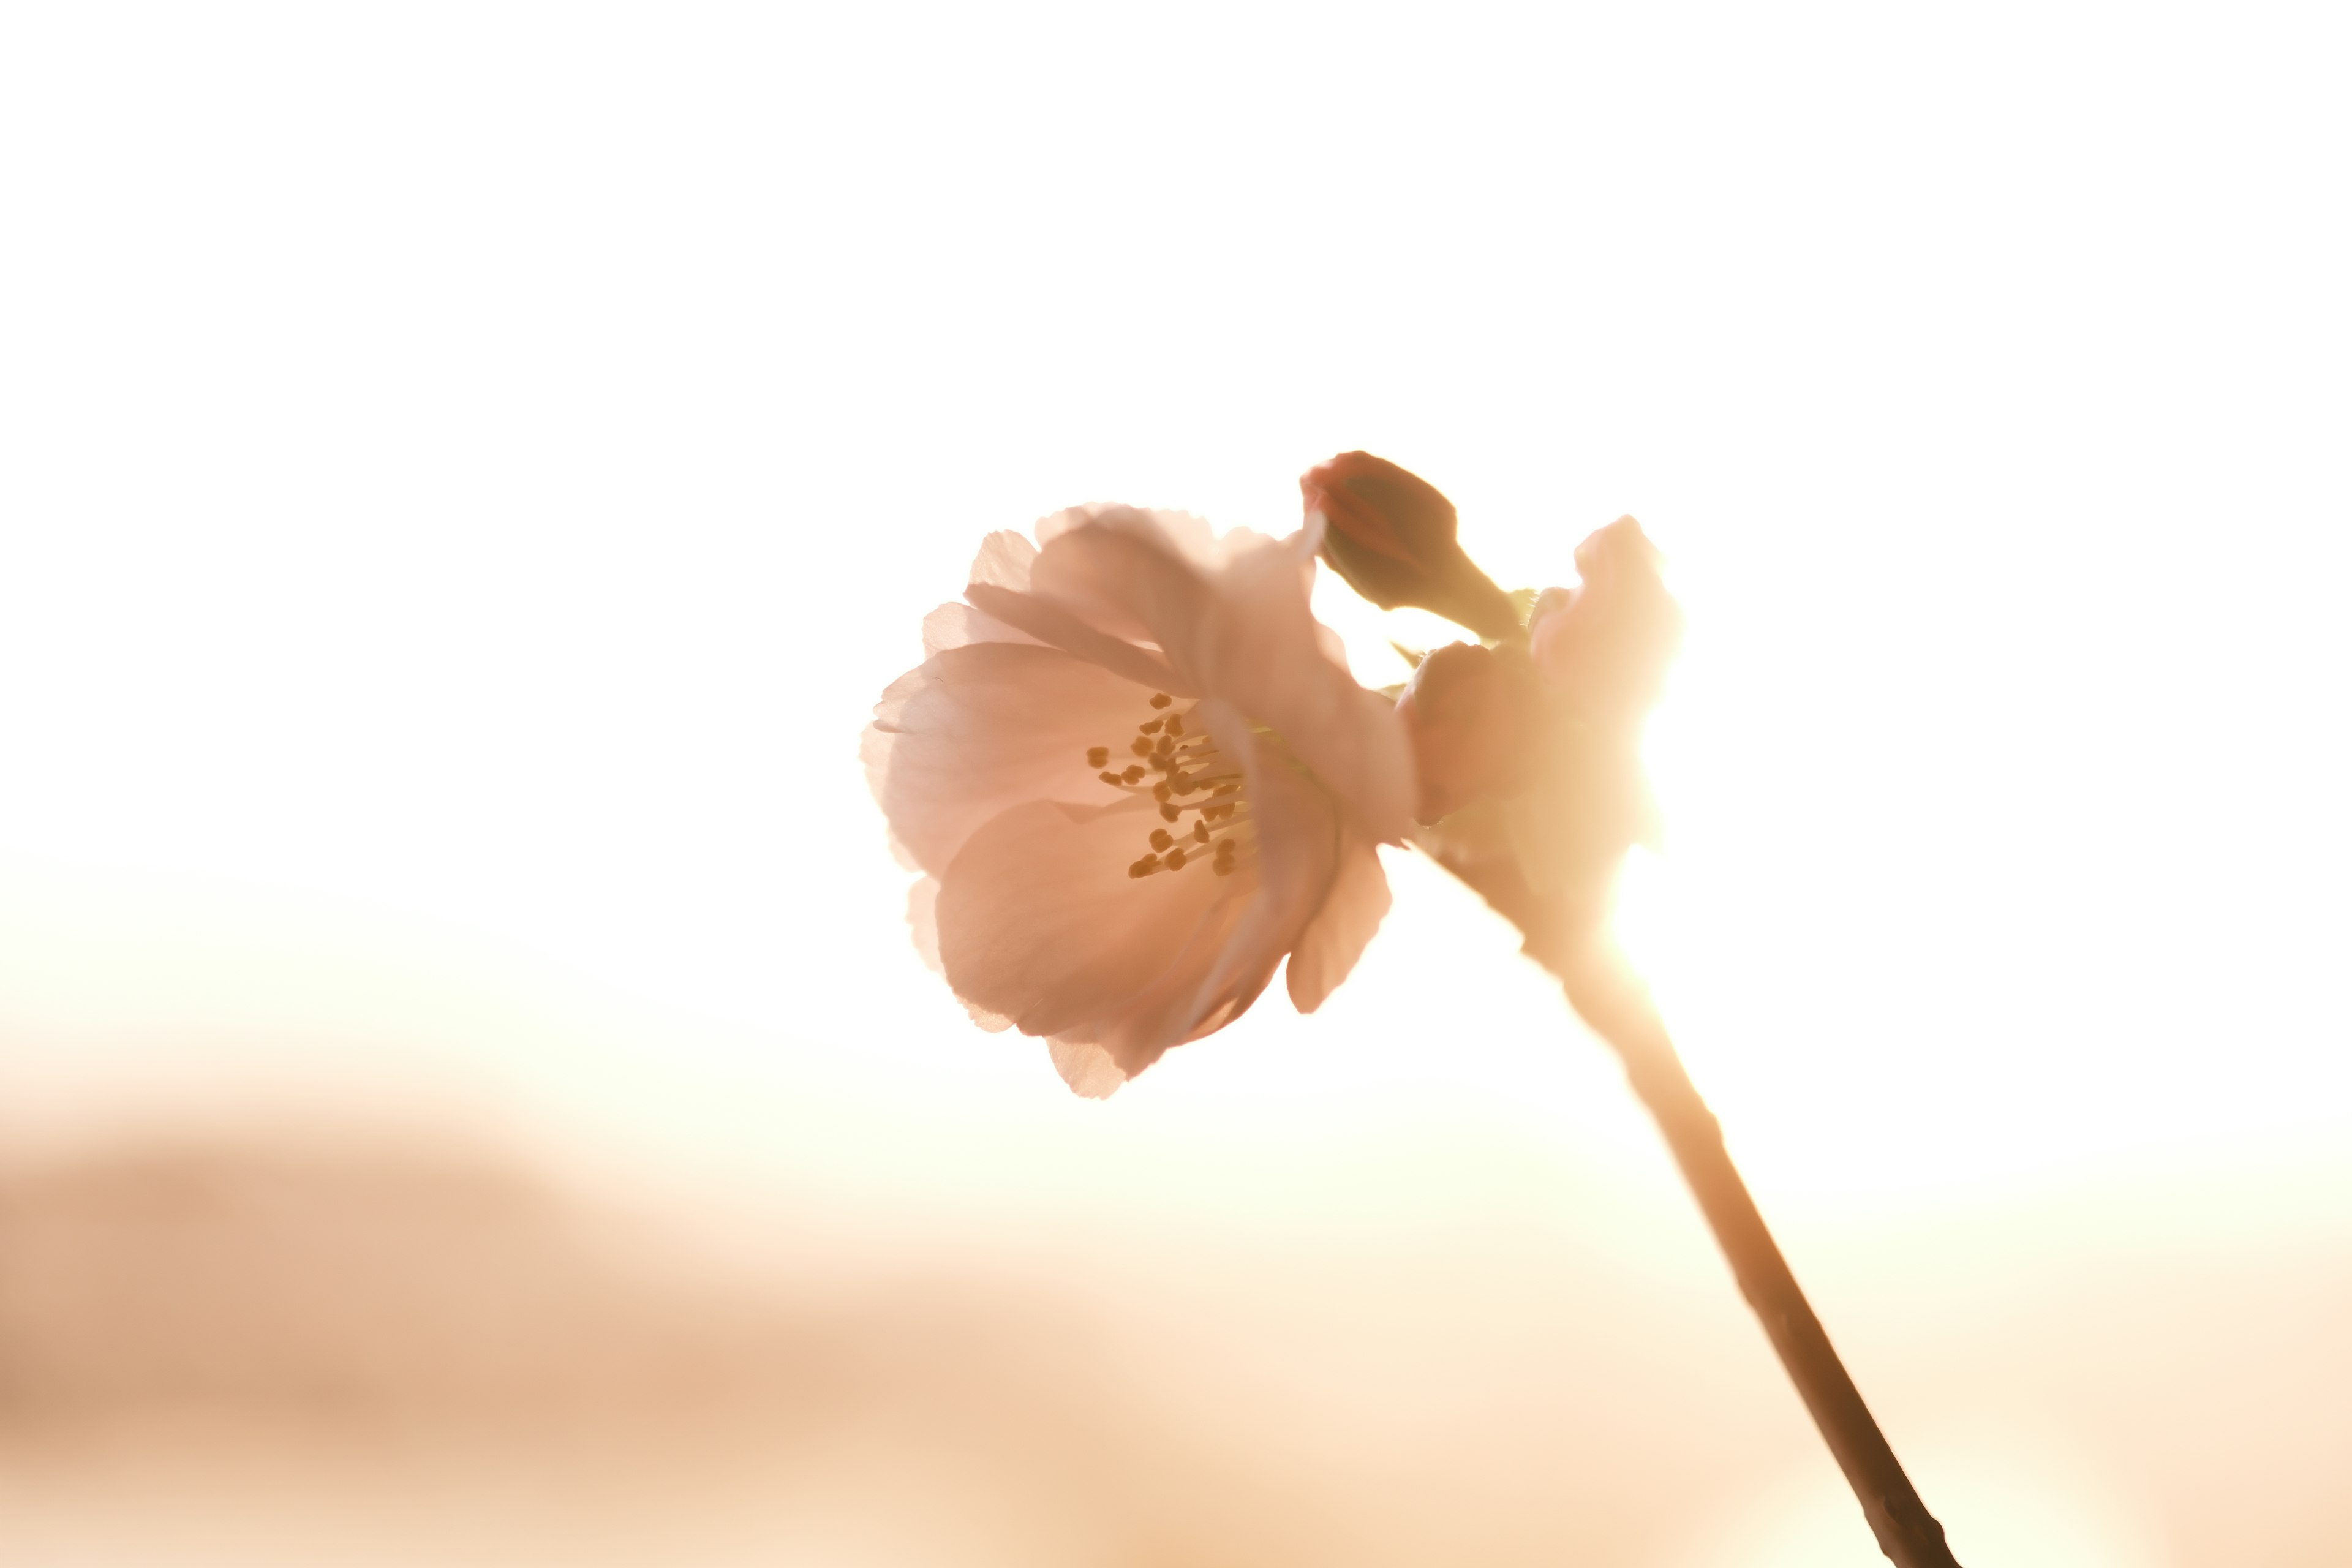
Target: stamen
(1188,764)
(1097,755)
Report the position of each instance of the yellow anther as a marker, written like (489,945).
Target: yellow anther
(1097,755)
(1222,866)
(1110,778)
(1167,812)
(1175,860)
(1201,832)
(1134,770)
(1140,746)
(1145,867)
(1160,839)
(1160,790)
(1161,699)
(1153,727)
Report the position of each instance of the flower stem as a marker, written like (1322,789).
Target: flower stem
(1619,1008)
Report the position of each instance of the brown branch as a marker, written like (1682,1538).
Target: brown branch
(1618,1007)
(1567,932)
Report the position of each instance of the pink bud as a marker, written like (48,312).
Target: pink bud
(1389,534)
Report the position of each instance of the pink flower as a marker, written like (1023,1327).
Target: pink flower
(1136,775)
(1532,786)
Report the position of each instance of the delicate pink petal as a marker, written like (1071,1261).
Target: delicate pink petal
(1337,936)
(879,744)
(1087,1068)
(959,626)
(980,729)
(1189,537)
(1039,920)
(1298,830)
(923,920)
(923,923)
(1260,650)
(1123,576)
(1056,625)
(1004,560)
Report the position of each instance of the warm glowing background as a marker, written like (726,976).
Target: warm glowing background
(467,471)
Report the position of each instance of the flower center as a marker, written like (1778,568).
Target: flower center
(1181,768)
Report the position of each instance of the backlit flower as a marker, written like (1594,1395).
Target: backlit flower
(1136,775)
(1532,786)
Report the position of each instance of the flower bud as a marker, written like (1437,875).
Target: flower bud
(1472,714)
(1389,534)
(1606,645)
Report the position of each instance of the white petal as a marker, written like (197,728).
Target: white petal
(982,728)
(1337,936)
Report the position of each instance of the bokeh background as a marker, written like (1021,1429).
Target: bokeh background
(466,472)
